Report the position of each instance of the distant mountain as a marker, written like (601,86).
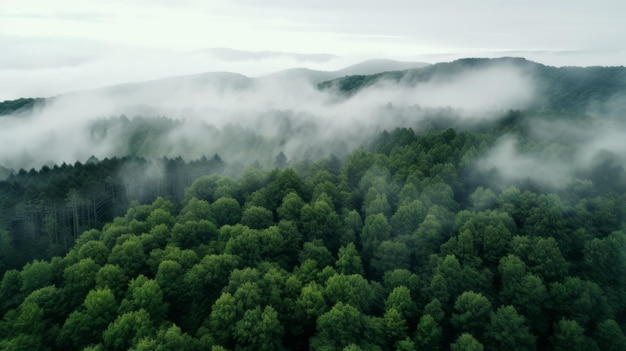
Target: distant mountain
(352,84)
(378,66)
(363,68)
(310,75)
(560,88)
(215,80)
(221,80)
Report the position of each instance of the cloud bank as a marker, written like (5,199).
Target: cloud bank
(288,114)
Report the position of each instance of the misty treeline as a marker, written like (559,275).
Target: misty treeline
(22,105)
(570,89)
(43,212)
(421,239)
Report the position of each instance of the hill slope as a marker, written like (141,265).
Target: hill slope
(364,68)
(572,89)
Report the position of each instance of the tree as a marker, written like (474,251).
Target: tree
(429,334)
(524,291)
(311,301)
(408,217)
(343,325)
(400,299)
(491,231)
(290,207)
(35,275)
(405,345)
(257,217)
(196,210)
(225,313)
(145,294)
(79,279)
(390,255)
(95,250)
(129,256)
(609,336)
(546,260)
(193,233)
(6,250)
(203,284)
(127,330)
(292,242)
(483,199)
(464,248)
(507,330)
(350,289)
(466,342)
(580,300)
(320,221)
(10,287)
(435,309)
(202,188)
(605,263)
(281,160)
(100,307)
(160,216)
(317,252)
(83,328)
(112,277)
(259,330)
(168,339)
(378,205)
(254,246)
(349,261)
(282,182)
(353,225)
(170,278)
(448,280)
(375,230)
(428,236)
(225,211)
(570,336)
(393,328)
(403,277)
(471,311)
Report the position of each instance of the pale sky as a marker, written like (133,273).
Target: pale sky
(48,47)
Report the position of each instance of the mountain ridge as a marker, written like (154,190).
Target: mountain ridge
(570,88)
(221,79)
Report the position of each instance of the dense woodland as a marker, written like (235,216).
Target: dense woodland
(402,244)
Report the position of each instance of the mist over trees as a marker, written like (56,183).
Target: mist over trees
(440,228)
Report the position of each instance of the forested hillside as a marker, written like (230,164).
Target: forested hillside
(402,246)
(402,227)
(43,212)
(563,88)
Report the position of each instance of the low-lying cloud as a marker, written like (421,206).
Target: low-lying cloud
(246,120)
(557,150)
(288,114)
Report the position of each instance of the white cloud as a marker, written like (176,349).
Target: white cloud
(81,44)
(319,123)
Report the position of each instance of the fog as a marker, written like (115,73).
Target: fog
(250,120)
(558,150)
(287,114)
(32,67)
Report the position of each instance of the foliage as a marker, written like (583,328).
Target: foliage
(401,245)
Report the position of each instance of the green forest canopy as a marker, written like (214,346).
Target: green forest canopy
(403,244)
(400,246)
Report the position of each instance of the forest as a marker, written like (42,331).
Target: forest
(448,233)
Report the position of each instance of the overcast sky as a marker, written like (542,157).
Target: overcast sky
(48,47)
